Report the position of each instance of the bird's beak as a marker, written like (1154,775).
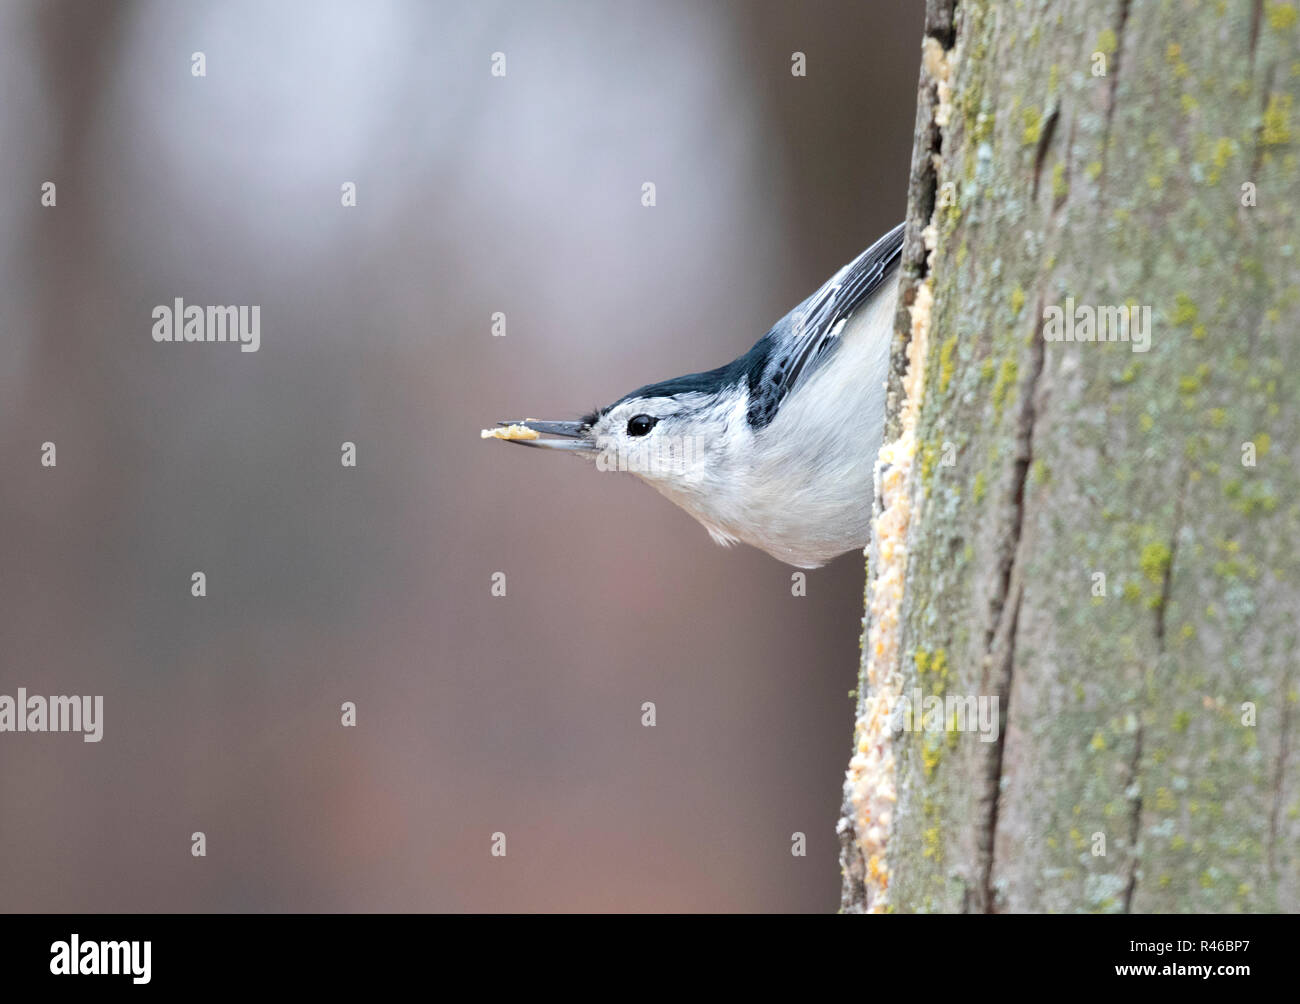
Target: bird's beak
(572,436)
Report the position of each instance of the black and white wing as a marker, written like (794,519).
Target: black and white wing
(790,351)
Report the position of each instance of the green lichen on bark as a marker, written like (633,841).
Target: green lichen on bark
(1158,719)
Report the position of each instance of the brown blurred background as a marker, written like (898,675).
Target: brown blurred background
(325,584)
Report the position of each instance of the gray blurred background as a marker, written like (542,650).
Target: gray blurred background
(325,584)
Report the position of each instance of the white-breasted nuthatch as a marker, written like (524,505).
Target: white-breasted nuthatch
(776,448)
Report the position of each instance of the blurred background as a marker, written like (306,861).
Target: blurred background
(475,194)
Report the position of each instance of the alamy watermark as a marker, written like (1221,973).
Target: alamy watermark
(75,957)
(916,712)
(181,322)
(681,457)
(53,714)
(1085,323)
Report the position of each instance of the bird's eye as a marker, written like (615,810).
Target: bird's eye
(640,425)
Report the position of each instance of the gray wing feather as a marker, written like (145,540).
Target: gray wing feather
(808,333)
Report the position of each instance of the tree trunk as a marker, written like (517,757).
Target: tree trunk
(1103,538)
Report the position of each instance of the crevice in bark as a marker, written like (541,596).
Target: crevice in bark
(985,900)
(940,25)
(1283,752)
(1020,477)
(1256,16)
(941,21)
(1044,142)
(1167,580)
(1000,639)
(1135,767)
(1258,158)
(922,191)
(1112,72)
(1135,821)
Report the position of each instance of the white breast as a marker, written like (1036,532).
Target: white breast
(804,493)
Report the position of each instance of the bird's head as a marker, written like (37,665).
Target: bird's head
(678,435)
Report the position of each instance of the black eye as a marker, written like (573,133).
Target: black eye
(639,425)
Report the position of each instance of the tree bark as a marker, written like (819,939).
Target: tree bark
(1105,539)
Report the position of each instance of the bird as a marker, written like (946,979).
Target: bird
(777,448)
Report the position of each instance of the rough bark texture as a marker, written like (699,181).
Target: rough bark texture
(1127,714)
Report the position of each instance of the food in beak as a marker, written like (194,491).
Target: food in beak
(510,432)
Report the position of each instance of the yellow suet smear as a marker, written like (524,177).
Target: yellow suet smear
(509,432)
